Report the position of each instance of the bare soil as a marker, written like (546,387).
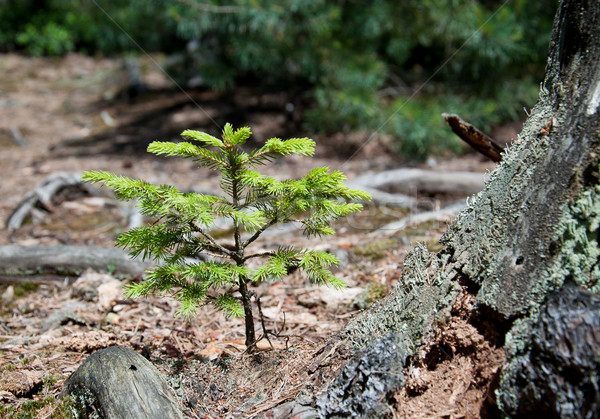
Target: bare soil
(71,117)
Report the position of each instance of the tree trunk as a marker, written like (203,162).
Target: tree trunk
(520,267)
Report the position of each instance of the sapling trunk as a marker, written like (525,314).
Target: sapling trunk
(246,294)
(249,319)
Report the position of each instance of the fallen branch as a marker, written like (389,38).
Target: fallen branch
(41,196)
(443,214)
(17,137)
(413,182)
(117,382)
(475,138)
(66,261)
(395,200)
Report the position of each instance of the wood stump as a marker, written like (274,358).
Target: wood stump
(119,383)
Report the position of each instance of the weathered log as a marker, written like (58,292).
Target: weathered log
(41,195)
(413,182)
(119,383)
(444,213)
(40,200)
(67,261)
(390,200)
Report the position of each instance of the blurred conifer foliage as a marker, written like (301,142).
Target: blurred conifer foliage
(386,65)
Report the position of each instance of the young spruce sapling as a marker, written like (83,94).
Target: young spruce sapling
(253,202)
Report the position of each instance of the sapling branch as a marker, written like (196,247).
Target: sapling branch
(257,234)
(258,255)
(214,245)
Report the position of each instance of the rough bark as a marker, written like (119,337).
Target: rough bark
(372,373)
(117,382)
(559,376)
(531,233)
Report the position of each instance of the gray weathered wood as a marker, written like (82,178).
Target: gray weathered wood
(65,260)
(121,384)
(41,195)
(413,182)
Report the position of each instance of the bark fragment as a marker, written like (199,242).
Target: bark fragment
(367,381)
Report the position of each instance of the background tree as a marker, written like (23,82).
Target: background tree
(360,64)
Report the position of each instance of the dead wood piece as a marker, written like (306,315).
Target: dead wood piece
(119,383)
(41,196)
(64,260)
(390,200)
(50,279)
(415,182)
(444,213)
(474,137)
(511,253)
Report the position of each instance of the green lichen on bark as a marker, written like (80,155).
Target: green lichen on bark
(579,255)
(531,231)
(577,261)
(505,241)
(500,237)
(420,300)
(570,253)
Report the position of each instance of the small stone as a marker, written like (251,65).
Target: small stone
(118,307)
(68,313)
(8,295)
(343,256)
(113,318)
(88,285)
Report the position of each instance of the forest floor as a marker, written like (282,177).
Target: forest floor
(67,115)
